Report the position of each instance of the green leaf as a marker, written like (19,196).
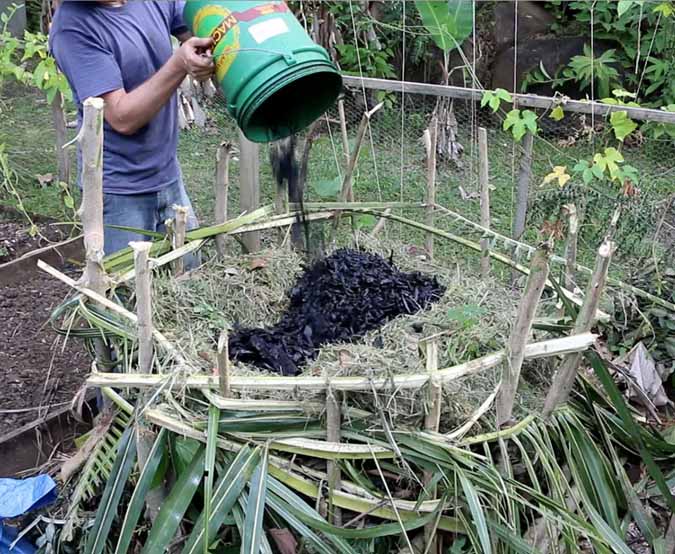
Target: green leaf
(137,502)
(557,113)
(175,506)
(328,188)
(255,509)
(69,202)
(625,5)
(476,512)
(622,125)
(366,221)
(448,22)
(225,495)
(618,403)
(521,123)
(107,509)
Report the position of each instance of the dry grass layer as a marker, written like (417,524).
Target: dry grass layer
(472,319)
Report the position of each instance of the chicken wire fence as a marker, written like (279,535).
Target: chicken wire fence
(392,167)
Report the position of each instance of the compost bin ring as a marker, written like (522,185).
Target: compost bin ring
(337,299)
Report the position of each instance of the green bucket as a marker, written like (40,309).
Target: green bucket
(276,80)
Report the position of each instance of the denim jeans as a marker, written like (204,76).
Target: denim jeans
(146,211)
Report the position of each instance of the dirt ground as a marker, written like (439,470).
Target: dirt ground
(36,370)
(15,239)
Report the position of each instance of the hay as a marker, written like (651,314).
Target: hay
(472,319)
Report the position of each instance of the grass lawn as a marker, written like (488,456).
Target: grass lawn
(386,171)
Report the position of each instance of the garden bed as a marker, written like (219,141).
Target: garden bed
(40,372)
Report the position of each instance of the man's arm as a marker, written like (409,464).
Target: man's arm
(127,112)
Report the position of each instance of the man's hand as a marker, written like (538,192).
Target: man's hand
(196,58)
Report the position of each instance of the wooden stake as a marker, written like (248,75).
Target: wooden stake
(249,186)
(571,245)
(224,364)
(430,141)
(223,157)
(345,135)
(380,224)
(333,434)
(60,127)
(484,176)
(520,334)
(523,190)
(143,304)
(91,210)
(567,372)
(180,229)
(432,423)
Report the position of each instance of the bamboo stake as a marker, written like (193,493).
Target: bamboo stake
(223,157)
(333,434)
(60,126)
(520,334)
(249,186)
(380,224)
(145,437)
(432,423)
(523,190)
(180,230)
(430,141)
(224,364)
(343,131)
(571,245)
(484,176)
(91,210)
(347,192)
(143,304)
(566,374)
(544,349)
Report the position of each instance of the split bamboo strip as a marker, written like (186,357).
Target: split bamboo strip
(566,374)
(224,364)
(484,177)
(363,502)
(334,435)
(143,305)
(544,349)
(520,334)
(223,157)
(180,229)
(192,246)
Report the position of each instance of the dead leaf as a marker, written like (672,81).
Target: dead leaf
(73,464)
(643,371)
(344,358)
(560,174)
(45,179)
(284,540)
(257,263)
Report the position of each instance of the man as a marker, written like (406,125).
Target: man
(122,52)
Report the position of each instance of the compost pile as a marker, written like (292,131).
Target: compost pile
(338,299)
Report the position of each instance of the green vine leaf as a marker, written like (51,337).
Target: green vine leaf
(665,9)
(521,122)
(494,98)
(557,113)
(622,125)
(609,162)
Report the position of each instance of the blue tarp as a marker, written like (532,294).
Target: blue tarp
(19,496)
(8,536)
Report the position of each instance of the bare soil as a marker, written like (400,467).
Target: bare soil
(16,239)
(37,371)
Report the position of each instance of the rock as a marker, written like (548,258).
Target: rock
(533,21)
(553,52)
(17,24)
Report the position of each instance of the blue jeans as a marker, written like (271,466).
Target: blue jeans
(146,211)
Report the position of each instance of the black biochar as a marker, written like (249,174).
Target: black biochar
(338,299)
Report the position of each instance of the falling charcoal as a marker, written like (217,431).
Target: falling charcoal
(338,299)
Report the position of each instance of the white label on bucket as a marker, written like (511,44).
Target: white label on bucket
(268,29)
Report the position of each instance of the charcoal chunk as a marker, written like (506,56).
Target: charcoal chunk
(337,299)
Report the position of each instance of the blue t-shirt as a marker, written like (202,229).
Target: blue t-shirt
(103,48)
